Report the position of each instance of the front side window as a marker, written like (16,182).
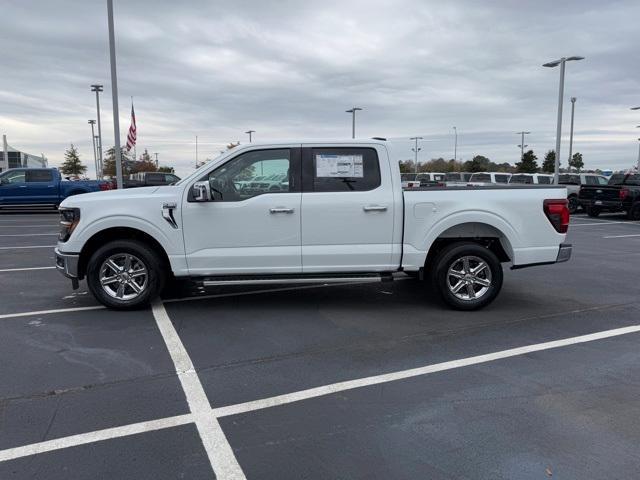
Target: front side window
(345,169)
(39,176)
(602,181)
(251,174)
(16,176)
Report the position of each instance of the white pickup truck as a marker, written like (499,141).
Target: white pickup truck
(341,216)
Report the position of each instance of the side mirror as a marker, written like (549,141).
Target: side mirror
(201,192)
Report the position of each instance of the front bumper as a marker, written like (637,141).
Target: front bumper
(67,264)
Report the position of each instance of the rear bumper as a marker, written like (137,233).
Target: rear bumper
(67,264)
(564,254)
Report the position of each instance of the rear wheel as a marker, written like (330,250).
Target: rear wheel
(634,212)
(573,204)
(467,275)
(125,274)
(593,211)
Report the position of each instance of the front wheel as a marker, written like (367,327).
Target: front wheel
(467,275)
(634,212)
(125,274)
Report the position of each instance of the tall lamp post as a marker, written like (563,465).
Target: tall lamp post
(522,145)
(416,149)
(114,94)
(250,132)
(455,144)
(573,110)
(353,111)
(98,89)
(637,108)
(156,154)
(553,64)
(95,155)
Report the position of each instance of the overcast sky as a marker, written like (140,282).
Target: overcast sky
(290,69)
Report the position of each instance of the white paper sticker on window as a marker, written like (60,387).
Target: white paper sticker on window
(339,166)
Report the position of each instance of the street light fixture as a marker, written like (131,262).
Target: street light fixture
(98,88)
(553,64)
(95,155)
(353,111)
(455,144)
(416,149)
(522,145)
(250,132)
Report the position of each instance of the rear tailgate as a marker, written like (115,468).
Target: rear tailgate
(595,194)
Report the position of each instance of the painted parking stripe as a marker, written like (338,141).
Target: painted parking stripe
(30,226)
(599,223)
(28,234)
(223,461)
(49,312)
(415,372)
(27,246)
(6,270)
(92,437)
(622,236)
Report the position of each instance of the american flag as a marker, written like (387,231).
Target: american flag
(131,136)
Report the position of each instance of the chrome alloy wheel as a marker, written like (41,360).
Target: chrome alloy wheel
(123,276)
(469,278)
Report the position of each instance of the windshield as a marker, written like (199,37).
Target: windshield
(625,179)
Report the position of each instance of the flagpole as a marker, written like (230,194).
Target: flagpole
(114,95)
(135,154)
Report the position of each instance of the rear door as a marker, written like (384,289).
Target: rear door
(41,186)
(347,209)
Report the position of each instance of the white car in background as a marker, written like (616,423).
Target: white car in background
(531,179)
(488,178)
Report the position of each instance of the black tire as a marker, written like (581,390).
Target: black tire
(634,212)
(593,211)
(451,256)
(149,258)
(574,205)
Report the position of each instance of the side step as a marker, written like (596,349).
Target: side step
(298,279)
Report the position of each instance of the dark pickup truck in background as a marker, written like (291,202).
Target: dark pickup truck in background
(27,187)
(148,179)
(621,194)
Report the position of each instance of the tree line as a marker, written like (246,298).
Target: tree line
(73,166)
(480,163)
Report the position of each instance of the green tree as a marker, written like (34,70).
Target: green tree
(72,164)
(528,164)
(549,163)
(407,166)
(576,161)
(144,164)
(165,169)
(109,162)
(479,163)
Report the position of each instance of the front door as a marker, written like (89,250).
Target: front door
(13,188)
(252,226)
(347,210)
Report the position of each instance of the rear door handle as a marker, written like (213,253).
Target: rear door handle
(281,210)
(374,208)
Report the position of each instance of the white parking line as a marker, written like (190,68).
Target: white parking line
(31,226)
(27,234)
(49,312)
(207,416)
(415,372)
(97,436)
(223,461)
(28,246)
(622,236)
(5,270)
(599,223)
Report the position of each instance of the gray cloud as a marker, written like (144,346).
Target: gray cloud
(290,69)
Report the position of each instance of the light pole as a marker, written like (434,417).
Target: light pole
(455,144)
(522,145)
(156,154)
(250,132)
(114,95)
(353,111)
(95,155)
(196,151)
(638,167)
(553,64)
(98,89)
(573,110)
(416,149)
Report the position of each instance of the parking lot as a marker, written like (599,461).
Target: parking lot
(341,381)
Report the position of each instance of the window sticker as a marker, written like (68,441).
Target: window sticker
(339,166)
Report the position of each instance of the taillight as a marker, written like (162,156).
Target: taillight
(557,211)
(623,193)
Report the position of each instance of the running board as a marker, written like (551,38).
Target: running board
(220,281)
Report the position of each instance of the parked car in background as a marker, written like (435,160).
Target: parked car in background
(573,182)
(150,179)
(28,187)
(342,218)
(488,178)
(621,194)
(453,179)
(531,179)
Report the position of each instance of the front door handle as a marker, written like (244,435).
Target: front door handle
(374,208)
(281,210)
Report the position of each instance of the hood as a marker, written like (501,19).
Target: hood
(105,196)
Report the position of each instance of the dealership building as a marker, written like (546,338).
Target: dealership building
(13,158)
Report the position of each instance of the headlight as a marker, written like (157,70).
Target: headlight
(69,218)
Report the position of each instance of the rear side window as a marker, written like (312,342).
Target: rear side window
(39,175)
(544,180)
(502,178)
(602,181)
(480,177)
(345,169)
(591,180)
